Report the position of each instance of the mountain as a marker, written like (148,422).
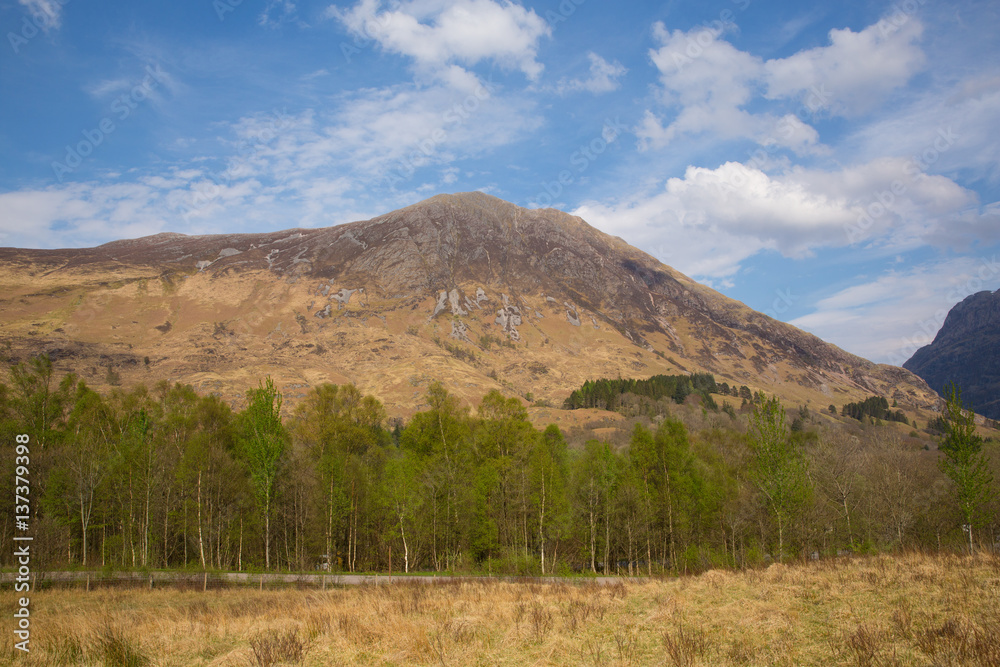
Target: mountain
(466,288)
(966,351)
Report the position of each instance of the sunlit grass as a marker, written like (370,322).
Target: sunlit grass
(902,610)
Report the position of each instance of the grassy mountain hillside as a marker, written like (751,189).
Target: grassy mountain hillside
(468,289)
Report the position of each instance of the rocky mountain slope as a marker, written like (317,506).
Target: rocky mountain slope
(465,288)
(966,351)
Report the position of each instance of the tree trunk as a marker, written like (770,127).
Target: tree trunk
(330,555)
(649,517)
(201,539)
(267,533)
(406,548)
(84,522)
(847,515)
(239,558)
(541,524)
(781,537)
(593,542)
(670,518)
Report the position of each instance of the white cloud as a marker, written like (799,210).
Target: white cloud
(435,33)
(888,318)
(311,168)
(855,73)
(383,136)
(77,214)
(277,13)
(47,12)
(944,130)
(709,81)
(708,85)
(603,77)
(728,214)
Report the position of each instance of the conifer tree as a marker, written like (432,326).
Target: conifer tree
(964,462)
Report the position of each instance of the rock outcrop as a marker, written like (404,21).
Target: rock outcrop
(966,351)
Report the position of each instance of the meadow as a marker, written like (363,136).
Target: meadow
(909,609)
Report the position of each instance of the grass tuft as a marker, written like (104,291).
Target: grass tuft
(271,648)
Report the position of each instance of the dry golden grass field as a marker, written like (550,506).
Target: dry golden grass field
(886,610)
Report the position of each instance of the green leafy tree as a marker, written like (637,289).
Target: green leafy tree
(504,436)
(335,423)
(263,441)
(442,435)
(401,498)
(549,477)
(483,535)
(595,481)
(39,402)
(135,473)
(965,463)
(210,479)
(779,468)
(673,487)
(84,461)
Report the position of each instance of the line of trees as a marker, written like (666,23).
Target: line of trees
(606,394)
(166,477)
(874,407)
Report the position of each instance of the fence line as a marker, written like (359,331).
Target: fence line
(218,580)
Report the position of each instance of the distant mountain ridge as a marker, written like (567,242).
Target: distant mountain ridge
(465,288)
(966,351)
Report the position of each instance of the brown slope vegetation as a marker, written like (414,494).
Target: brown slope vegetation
(887,610)
(466,288)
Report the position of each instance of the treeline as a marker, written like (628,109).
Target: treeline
(606,394)
(875,407)
(165,477)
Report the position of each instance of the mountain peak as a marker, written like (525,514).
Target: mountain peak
(966,351)
(423,292)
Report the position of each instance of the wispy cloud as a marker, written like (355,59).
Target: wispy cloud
(714,89)
(435,35)
(889,317)
(604,77)
(856,72)
(48,12)
(741,210)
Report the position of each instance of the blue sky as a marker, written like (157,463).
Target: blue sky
(834,165)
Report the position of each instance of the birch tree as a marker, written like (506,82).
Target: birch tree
(263,442)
